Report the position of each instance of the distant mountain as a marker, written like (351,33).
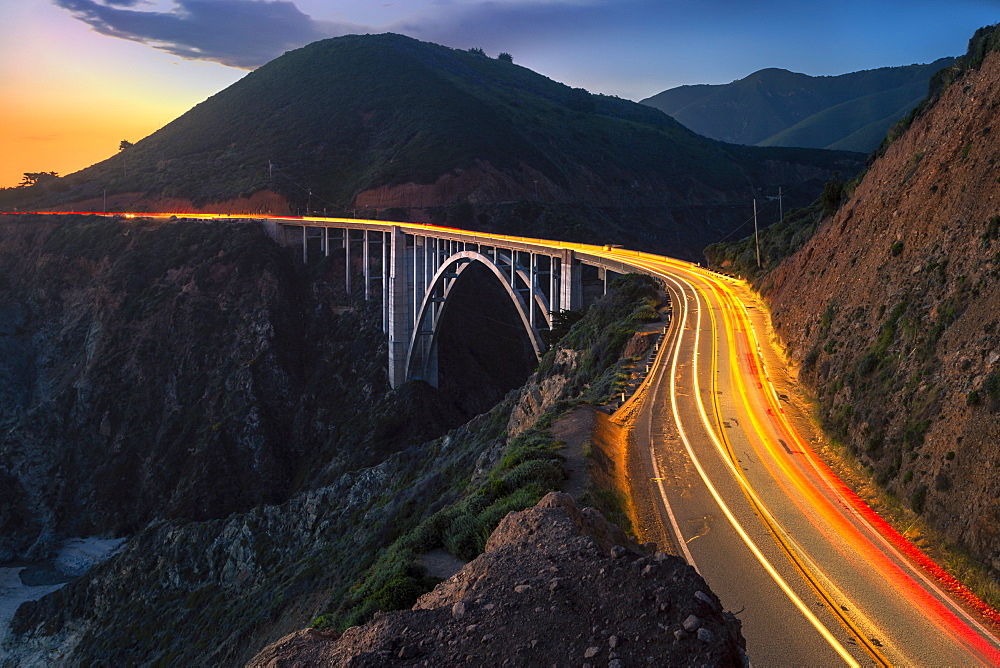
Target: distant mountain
(775,107)
(385,122)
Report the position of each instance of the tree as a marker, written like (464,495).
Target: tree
(121,147)
(505,56)
(579,99)
(32,178)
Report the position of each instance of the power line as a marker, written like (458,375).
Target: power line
(751,218)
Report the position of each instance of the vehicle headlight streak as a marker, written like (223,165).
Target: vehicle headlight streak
(735,523)
(945,618)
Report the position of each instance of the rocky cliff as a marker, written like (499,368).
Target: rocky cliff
(555,585)
(157,379)
(893,310)
(171,371)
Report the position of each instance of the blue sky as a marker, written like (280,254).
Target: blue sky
(82,72)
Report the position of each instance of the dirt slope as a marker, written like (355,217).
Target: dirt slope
(893,307)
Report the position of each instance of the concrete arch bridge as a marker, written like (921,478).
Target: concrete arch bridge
(414,270)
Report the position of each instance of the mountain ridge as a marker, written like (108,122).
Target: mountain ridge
(764,107)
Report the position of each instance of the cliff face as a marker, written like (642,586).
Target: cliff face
(893,310)
(168,371)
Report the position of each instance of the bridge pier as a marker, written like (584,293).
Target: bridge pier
(571,284)
(386,243)
(400,329)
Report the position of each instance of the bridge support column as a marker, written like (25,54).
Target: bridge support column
(553,299)
(571,283)
(532,280)
(305,245)
(400,322)
(386,242)
(366,267)
(347,261)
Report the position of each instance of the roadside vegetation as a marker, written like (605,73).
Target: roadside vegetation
(524,468)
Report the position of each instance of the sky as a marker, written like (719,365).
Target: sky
(79,76)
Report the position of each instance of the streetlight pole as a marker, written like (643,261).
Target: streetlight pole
(756,233)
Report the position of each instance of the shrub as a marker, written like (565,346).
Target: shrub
(991,386)
(831,196)
(992,229)
(868,363)
(827,318)
(896,248)
(918,499)
(809,363)
(942,483)
(403,590)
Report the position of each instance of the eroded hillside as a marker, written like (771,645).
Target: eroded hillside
(893,310)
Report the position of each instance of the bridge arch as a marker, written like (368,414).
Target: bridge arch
(421,357)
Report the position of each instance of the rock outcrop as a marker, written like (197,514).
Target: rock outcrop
(893,310)
(556,585)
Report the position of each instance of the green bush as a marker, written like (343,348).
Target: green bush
(832,192)
(403,589)
(918,499)
(991,386)
(809,363)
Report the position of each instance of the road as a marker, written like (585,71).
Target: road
(816,577)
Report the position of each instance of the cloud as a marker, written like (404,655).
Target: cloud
(238,33)
(248,33)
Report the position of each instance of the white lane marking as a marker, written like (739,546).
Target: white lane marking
(780,581)
(679,538)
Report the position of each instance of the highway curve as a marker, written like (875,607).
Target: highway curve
(817,577)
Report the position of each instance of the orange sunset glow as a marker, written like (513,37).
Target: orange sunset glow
(71,95)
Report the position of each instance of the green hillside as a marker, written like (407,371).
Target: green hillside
(345,116)
(774,107)
(843,120)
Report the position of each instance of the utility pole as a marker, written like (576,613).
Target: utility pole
(105,200)
(756,233)
(781,210)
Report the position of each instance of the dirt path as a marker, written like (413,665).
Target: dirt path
(575,429)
